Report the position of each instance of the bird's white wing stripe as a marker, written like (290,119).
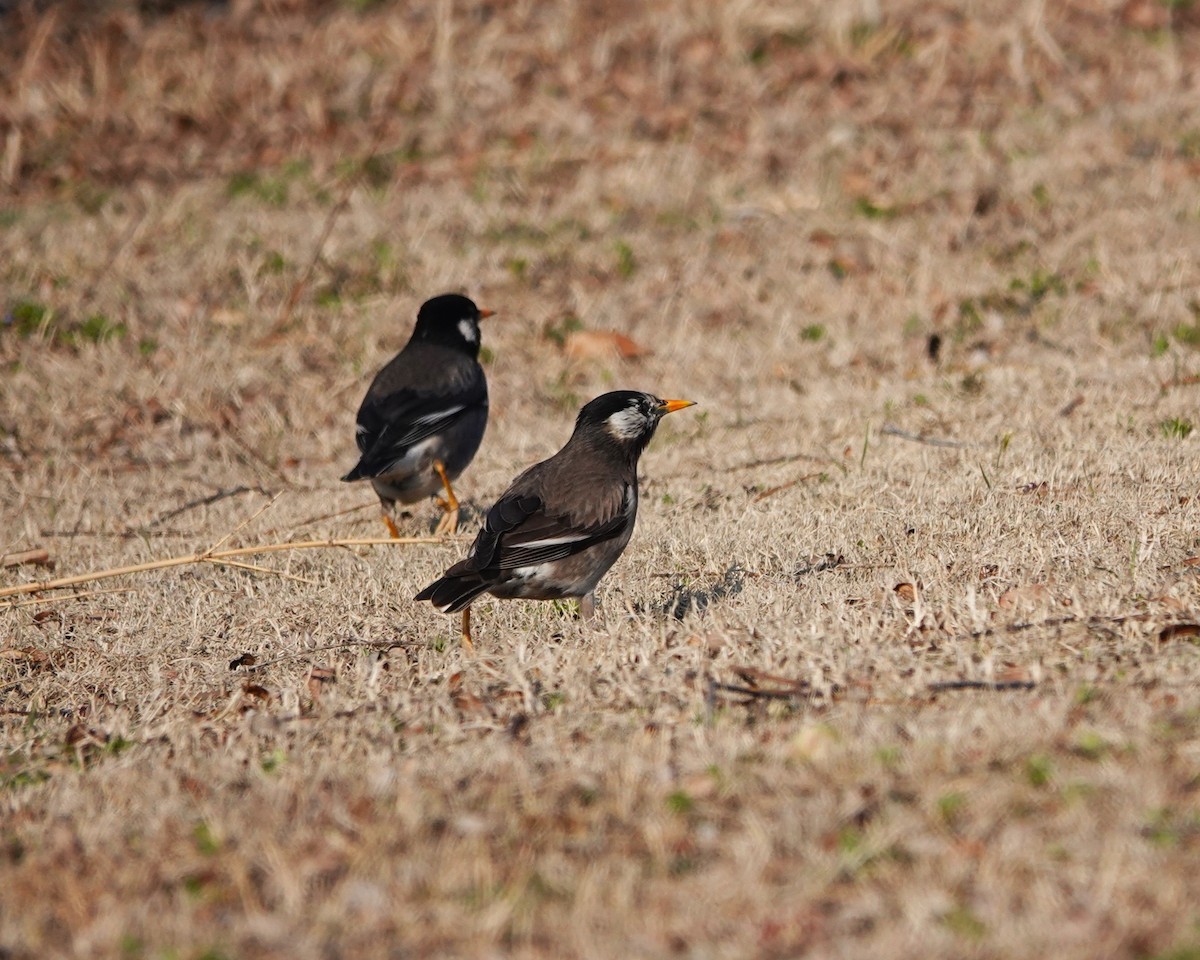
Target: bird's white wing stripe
(550,542)
(440,415)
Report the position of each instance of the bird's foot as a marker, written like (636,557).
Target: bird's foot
(393,532)
(448,524)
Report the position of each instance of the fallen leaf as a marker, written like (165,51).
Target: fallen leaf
(1145,15)
(317,676)
(245,660)
(25,653)
(602,345)
(1024,594)
(1180,631)
(906,592)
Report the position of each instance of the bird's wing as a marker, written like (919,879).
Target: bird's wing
(520,531)
(389,425)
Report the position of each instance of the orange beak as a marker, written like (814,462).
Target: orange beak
(670,406)
(484,312)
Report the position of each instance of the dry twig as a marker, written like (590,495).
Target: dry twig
(207,556)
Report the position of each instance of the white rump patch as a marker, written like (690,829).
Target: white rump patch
(626,424)
(467,329)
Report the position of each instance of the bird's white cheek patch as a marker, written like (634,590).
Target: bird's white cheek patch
(626,424)
(467,329)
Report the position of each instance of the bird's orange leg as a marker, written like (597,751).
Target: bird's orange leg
(391,525)
(449,521)
(468,644)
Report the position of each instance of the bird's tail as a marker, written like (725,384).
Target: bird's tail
(355,474)
(451,594)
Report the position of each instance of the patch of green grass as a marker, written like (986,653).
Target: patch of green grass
(97,329)
(1188,952)
(626,262)
(889,756)
(205,840)
(1189,140)
(1188,333)
(1090,745)
(962,922)
(90,197)
(970,320)
(680,801)
(814,332)
(28,318)
(1041,196)
(553,700)
(849,839)
(517,266)
(1038,285)
(972,383)
(1160,345)
(951,805)
(1086,694)
(1176,428)
(328,297)
(271,190)
(866,207)
(272,761)
(22,778)
(1163,827)
(1039,770)
(117,745)
(557,332)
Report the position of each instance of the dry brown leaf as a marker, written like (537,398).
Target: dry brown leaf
(602,345)
(257,691)
(1180,631)
(1024,594)
(25,653)
(1145,15)
(906,592)
(318,676)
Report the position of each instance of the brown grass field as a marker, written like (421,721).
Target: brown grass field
(903,659)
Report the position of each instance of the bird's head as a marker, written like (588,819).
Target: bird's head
(451,320)
(625,417)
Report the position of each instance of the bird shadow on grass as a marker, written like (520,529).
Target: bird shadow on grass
(695,598)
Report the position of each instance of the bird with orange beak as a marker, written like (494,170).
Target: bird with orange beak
(561,524)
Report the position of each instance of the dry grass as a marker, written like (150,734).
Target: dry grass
(219,221)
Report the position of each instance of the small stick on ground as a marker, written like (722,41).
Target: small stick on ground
(204,502)
(943,685)
(83,595)
(890,430)
(206,556)
(40,557)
